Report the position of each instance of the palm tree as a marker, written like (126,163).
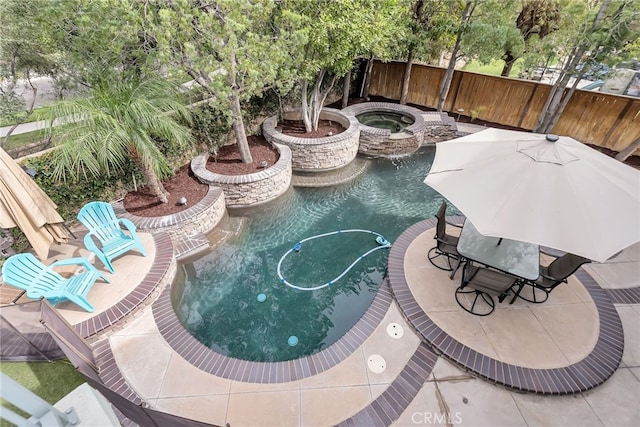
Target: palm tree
(121,120)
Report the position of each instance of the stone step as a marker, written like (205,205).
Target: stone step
(432,118)
(468,128)
(326,179)
(190,245)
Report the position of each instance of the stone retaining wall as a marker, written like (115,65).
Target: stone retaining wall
(250,189)
(381,142)
(318,154)
(199,218)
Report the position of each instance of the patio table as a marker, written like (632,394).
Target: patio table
(510,256)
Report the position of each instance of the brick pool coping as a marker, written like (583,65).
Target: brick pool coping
(584,375)
(388,407)
(624,295)
(230,368)
(160,275)
(383,410)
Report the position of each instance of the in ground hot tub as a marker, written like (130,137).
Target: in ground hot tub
(393,121)
(388,129)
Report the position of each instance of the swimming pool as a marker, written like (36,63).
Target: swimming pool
(217,302)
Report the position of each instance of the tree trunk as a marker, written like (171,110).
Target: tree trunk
(509,60)
(406,78)
(554,105)
(448,75)
(563,103)
(624,154)
(310,123)
(322,99)
(312,103)
(238,130)
(305,106)
(238,123)
(346,89)
(367,79)
(152,181)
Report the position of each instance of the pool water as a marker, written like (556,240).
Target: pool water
(218,301)
(395,122)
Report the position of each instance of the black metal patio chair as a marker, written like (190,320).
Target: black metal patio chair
(480,284)
(445,248)
(556,273)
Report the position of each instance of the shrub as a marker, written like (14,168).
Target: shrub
(69,195)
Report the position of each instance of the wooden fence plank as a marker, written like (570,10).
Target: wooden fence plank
(602,119)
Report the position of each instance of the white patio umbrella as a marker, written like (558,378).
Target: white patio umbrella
(522,186)
(25,205)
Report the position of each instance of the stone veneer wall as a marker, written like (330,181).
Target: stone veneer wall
(199,218)
(318,154)
(250,189)
(381,142)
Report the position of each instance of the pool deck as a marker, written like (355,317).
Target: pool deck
(408,377)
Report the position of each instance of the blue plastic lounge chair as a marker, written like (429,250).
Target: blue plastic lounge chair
(25,272)
(104,226)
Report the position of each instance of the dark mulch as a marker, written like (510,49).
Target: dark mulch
(228,161)
(296,128)
(182,184)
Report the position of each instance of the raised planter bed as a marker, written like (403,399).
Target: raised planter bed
(202,217)
(250,189)
(318,154)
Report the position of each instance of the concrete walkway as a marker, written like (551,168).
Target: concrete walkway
(29,127)
(23,128)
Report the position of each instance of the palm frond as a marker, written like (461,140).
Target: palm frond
(120,121)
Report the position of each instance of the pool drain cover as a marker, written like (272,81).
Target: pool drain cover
(395,330)
(376,364)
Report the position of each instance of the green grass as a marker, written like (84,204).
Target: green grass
(38,114)
(49,380)
(494,68)
(16,141)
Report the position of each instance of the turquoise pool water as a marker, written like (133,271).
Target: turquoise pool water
(218,301)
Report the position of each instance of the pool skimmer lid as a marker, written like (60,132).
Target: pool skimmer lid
(376,364)
(395,330)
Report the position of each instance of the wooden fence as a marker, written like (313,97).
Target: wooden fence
(602,119)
